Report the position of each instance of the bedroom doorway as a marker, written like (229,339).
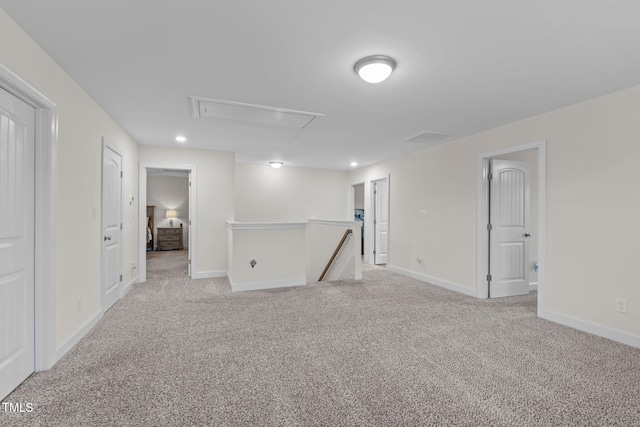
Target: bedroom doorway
(532,158)
(167,216)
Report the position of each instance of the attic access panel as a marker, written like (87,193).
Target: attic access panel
(429,138)
(252,114)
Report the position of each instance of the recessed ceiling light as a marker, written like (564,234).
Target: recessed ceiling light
(276,165)
(375,69)
(181,138)
(354,164)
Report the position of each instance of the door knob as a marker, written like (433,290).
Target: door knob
(527,234)
(107,238)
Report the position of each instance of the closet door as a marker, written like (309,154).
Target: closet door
(17,258)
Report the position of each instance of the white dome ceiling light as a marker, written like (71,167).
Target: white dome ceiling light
(276,165)
(375,69)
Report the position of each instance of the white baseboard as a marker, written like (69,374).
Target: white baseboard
(533,286)
(129,286)
(77,335)
(434,281)
(593,328)
(256,286)
(354,276)
(209,274)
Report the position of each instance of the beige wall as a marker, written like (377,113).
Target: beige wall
(82,125)
(358,192)
(592,198)
(279,254)
(213,199)
(169,192)
(263,193)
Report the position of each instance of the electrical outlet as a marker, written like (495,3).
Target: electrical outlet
(79,304)
(621,305)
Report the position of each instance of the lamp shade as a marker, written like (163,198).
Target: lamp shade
(172,213)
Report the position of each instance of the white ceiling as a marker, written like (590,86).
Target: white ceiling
(463,66)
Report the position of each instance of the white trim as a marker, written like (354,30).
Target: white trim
(130,286)
(46,171)
(593,328)
(235,225)
(142,215)
(351,201)
(482,218)
(256,286)
(191,234)
(335,222)
(533,286)
(434,281)
(208,274)
(353,276)
(78,334)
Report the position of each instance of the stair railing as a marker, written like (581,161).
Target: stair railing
(335,253)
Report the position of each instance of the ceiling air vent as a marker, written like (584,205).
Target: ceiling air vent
(252,114)
(430,138)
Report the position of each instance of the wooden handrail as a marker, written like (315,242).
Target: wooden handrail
(335,253)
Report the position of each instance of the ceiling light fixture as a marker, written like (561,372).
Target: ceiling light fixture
(354,164)
(276,165)
(375,69)
(181,138)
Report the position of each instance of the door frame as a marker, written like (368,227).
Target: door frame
(46,173)
(371,225)
(142,215)
(106,144)
(482,215)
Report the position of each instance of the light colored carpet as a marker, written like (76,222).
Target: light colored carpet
(383,352)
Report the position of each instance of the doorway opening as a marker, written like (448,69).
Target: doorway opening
(359,211)
(167,214)
(512,251)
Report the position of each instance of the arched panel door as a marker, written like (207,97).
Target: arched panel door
(509,234)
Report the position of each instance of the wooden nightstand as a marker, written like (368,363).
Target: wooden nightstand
(170,238)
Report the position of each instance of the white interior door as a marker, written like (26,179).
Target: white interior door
(17,234)
(508,238)
(381,221)
(111,226)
